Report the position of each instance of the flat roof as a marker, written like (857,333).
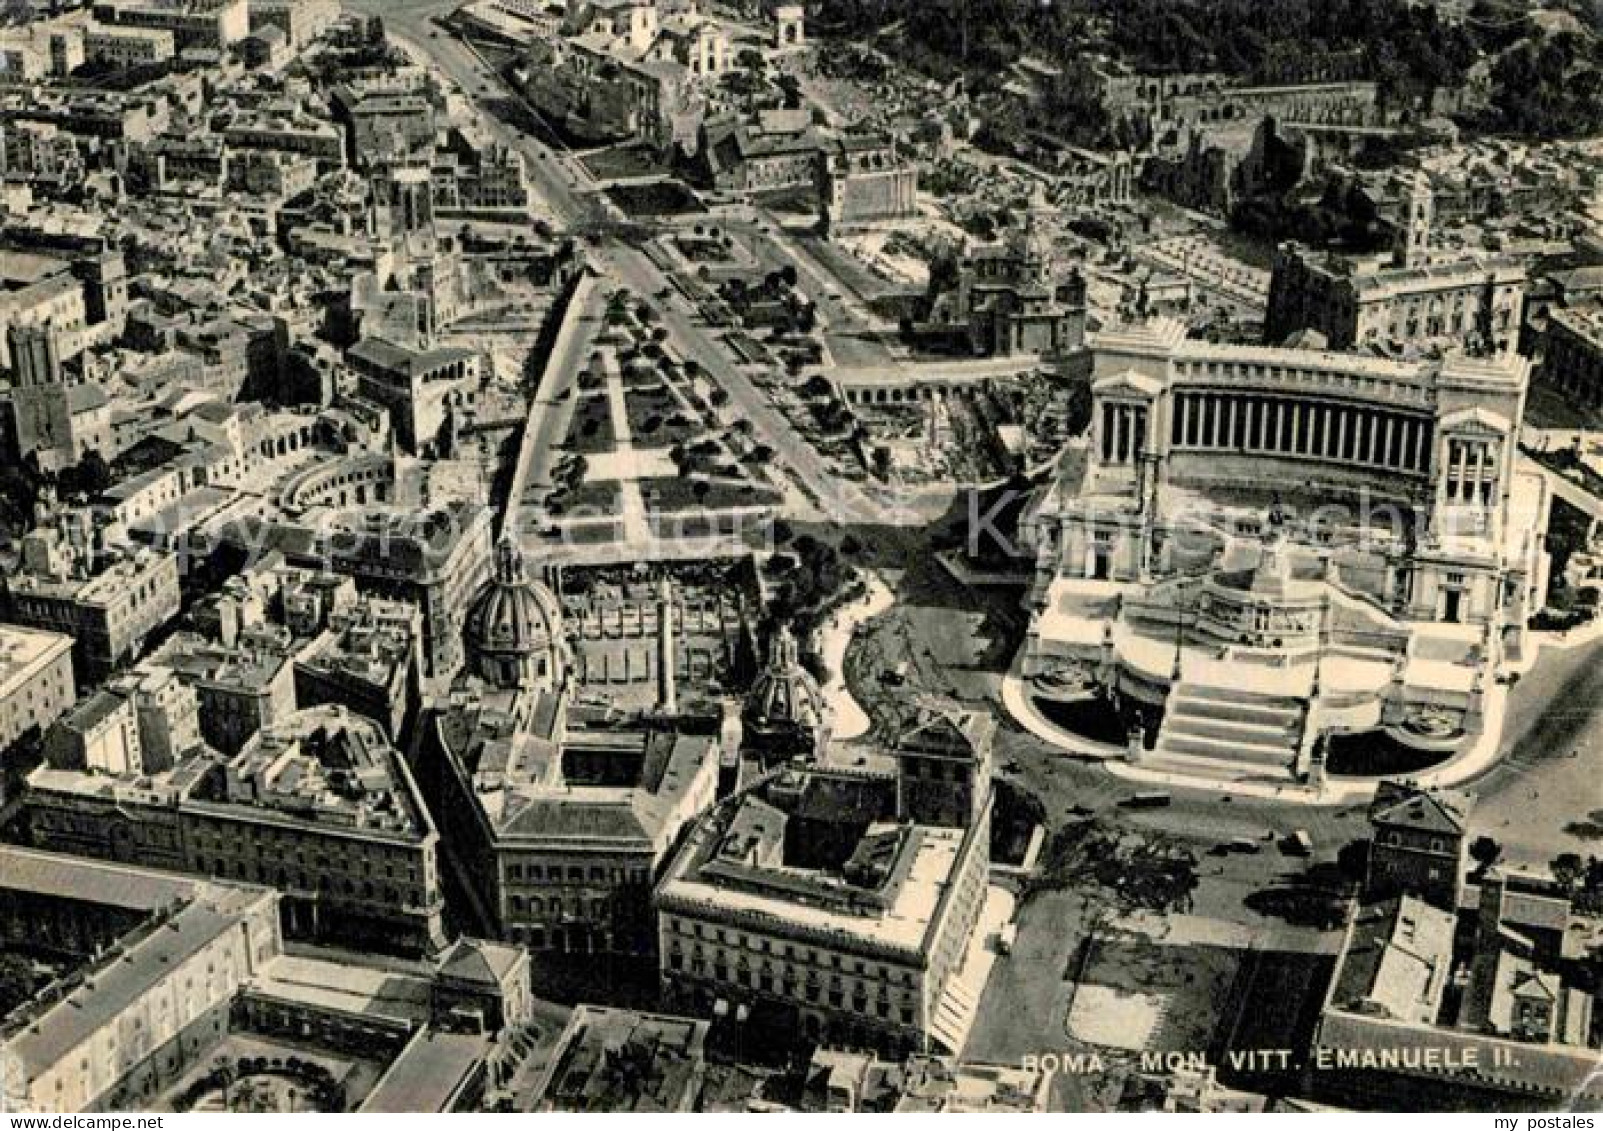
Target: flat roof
(347,987)
(429,1073)
(108,989)
(902,925)
(90,881)
(24,652)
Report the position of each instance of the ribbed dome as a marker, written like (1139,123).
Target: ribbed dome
(514,629)
(785,698)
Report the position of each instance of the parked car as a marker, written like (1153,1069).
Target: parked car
(1298,843)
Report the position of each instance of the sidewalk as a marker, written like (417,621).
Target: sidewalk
(966,987)
(850,720)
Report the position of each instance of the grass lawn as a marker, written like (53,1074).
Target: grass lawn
(1376,754)
(623,161)
(595,533)
(591,428)
(1092,717)
(702,249)
(601,497)
(664,198)
(658,420)
(358,1075)
(680,494)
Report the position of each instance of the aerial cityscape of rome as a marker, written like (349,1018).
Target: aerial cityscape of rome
(817,556)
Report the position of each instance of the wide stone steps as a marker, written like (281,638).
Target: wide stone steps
(1254,754)
(1279,713)
(1225,732)
(1209,726)
(1216,769)
(954,1014)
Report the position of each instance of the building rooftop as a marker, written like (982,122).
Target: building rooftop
(1399,804)
(430,1072)
(330,766)
(326,766)
(617,1060)
(1585,320)
(1397,961)
(937,1084)
(884,893)
(246,668)
(24,652)
(109,585)
(91,881)
(193,914)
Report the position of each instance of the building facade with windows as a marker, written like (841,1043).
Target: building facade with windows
(839,902)
(319,806)
(1572,355)
(1417,843)
(36,688)
(1398,308)
(109,603)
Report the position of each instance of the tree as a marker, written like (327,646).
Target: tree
(16,982)
(1485,852)
(91,476)
(1352,860)
(1567,869)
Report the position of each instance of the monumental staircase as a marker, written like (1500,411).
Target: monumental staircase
(1228,732)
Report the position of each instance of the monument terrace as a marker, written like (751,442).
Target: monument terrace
(1273,548)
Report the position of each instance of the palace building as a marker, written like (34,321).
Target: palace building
(1411,306)
(163,987)
(560,806)
(843,903)
(1270,548)
(319,805)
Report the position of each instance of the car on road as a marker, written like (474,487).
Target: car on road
(1299,843)
(1150,799)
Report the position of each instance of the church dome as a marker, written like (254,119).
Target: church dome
(785,706)
(514,629)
